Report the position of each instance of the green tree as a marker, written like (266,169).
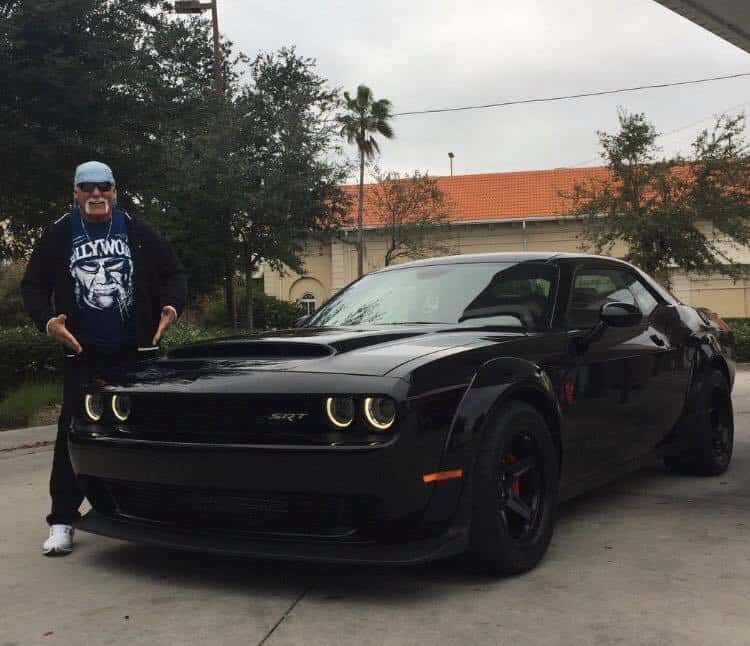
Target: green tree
(413,212)
(182,180)
(115,80)
(286,144)
(230,177)
(365,118)
(266,178)
(658,206)
(70,71)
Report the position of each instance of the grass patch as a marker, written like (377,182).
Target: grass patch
(21,404)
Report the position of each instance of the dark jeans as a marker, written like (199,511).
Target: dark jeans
(77,371)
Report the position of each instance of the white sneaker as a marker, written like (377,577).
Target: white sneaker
(60,541)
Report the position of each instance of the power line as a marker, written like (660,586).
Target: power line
(672,132)
(708,116)
(571,96)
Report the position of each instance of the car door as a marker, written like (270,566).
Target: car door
(612,404)
(670,367)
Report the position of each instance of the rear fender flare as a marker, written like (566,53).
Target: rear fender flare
(707,357)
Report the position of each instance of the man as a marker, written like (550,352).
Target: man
(105,286)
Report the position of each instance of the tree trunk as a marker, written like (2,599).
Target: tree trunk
(360,229)
(249,288)
(229,297)
(229,294)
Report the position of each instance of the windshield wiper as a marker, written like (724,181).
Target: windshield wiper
(486,326)
(415,323)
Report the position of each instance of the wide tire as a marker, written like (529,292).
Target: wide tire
(711,451)
(515,492)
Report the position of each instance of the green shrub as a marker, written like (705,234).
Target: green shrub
(20,405)
(269,313)
(741,330)
(183,332)
(27,355)
(12,312)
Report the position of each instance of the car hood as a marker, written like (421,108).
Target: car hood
(360,351)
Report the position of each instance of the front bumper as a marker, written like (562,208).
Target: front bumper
(363,504)
(450,543)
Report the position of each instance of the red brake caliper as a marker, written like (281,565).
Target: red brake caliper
(515,487)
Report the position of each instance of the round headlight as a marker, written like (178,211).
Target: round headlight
(93,405)
(121,407)
(380,412)
(340,411)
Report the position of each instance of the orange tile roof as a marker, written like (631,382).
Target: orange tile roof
(498,196)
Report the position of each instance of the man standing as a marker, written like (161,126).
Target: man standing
(104,285)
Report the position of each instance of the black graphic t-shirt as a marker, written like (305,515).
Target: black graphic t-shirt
(102,271)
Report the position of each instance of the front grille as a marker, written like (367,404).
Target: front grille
(226,418)
(227,511)
(236,419)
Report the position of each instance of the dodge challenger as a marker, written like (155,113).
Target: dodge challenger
(430,409)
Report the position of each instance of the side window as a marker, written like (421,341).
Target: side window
(524,292)
(592,288)
(644,298)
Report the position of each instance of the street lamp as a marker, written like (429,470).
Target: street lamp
(196,6)
(451,156)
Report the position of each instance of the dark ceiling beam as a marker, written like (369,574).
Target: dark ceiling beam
(728,19)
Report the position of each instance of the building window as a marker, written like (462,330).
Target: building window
(308,304)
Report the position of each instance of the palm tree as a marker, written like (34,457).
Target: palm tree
(365,119)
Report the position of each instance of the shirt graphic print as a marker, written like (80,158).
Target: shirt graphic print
(102,270)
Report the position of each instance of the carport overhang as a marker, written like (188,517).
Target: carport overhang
(728,19)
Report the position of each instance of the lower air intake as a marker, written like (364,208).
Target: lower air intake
(217,510)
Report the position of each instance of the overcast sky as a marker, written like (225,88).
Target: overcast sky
(425,54)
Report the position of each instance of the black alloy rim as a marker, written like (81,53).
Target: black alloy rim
(520,487)
(721,426)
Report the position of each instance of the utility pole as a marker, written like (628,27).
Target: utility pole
(218,77)
(196,6)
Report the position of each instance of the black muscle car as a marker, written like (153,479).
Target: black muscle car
(429,409)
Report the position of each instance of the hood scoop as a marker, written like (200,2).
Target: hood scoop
(234,349)
(365,340)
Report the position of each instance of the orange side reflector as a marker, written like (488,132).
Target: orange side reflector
(443,475)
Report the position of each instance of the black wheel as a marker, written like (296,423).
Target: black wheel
(711,451)
(515,490)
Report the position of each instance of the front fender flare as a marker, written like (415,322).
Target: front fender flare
(495,383)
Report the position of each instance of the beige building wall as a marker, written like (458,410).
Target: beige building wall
(331,267)
(315,280)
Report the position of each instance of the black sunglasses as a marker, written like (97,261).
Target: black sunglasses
(88,187)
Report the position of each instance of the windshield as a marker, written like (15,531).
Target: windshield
(516,295)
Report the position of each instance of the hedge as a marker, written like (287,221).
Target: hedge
(28,355)
(11,306)
(269,313)
(741,330)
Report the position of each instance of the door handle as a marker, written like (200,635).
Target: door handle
(658,340)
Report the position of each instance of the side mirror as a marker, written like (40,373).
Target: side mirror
(620,315)
(302,320)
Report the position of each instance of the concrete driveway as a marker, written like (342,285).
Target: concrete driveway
(653,559)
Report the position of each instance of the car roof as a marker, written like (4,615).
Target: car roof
(502,257)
